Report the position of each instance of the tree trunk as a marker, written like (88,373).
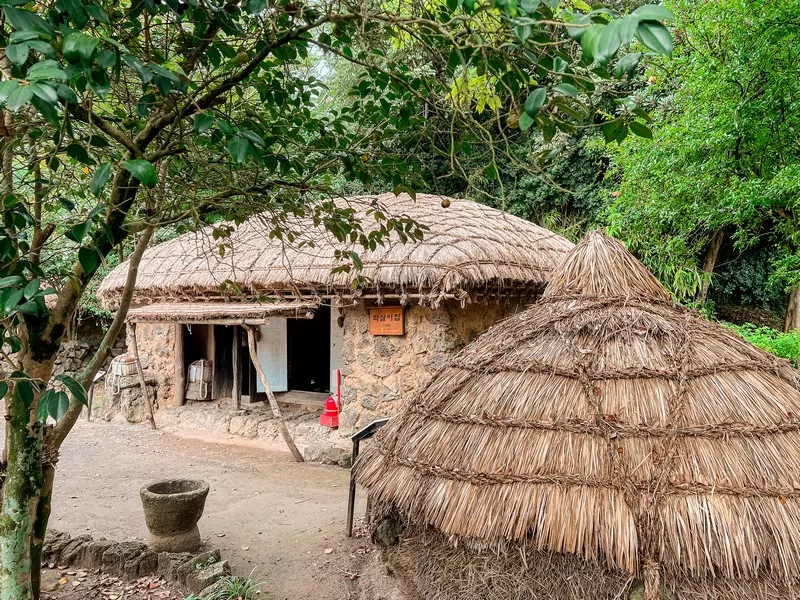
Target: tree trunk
(793,310)
(23,483)
(276,411)
(710,262)
(147,404)
(57,435)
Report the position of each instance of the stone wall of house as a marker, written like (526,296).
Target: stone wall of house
(123,398)
(382,372)
(74,354)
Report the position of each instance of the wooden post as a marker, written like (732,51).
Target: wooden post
(147,403)
(179,380)
(236,359)
(252,385)
(276,411)
(211,353)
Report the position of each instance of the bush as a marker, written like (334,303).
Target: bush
(785,345)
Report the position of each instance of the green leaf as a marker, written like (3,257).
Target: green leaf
(356,259)
(142,170)
(6,87)
(56,406)
(12,300)
(535,101)
(98,141)
(75,388)
(403,189)
(19,98)
(23,388)
(239,148)
(79,231)
(45,92)
(607,43)
(525,121)
(29,308)
(43,409)
(640,129)
(22,36)
(100,178)
(59,407)
(143,72)
(655,36)
(3,389)
(99,82)
(43,48)
(529,6)
(567,89)
(653,12)
(79,153)
(627,64)
(203,122)
(80,47)
(559,64)
(23,20)
(97,13)
(627,29)
(11,280)
(45,70)
(89,259)
(17,53)
(589,42)
(253,137)
(31,288)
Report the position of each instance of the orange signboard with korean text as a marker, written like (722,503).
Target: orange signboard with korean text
(387,320)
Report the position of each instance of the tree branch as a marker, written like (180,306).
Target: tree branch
(63,427)
(85,115)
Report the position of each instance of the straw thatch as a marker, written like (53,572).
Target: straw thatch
(607,424)
(219,312)
(468,246)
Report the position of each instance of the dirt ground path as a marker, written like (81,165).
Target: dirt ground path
(267,514)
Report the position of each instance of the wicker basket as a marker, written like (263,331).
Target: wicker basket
(200,380)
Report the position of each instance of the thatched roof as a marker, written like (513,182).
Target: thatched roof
(468,246)
(608,423)
(219,312)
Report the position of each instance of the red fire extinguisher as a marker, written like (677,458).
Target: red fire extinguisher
(330,418)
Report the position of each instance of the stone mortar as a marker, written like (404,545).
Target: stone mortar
(172,509)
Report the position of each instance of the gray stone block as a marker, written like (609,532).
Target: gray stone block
(168,563)
(200,580)
(73,551)
(197,563)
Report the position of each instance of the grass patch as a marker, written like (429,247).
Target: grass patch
(784,345)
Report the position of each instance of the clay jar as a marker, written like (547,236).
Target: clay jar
(172,509)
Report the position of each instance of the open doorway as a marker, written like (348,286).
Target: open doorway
(309,352)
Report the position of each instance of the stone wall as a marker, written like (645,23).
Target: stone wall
(74,354)
(383,372)
(123,399)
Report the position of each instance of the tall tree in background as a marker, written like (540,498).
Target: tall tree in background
(122,118)
(723,166)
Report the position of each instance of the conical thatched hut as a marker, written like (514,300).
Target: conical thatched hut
(604,443)
(386,328)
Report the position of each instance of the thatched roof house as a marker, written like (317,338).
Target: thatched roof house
(413,305)
(602,438)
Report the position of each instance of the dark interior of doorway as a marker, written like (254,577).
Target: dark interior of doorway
(309,350)
(214,343)
(195,344)
(223,361)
